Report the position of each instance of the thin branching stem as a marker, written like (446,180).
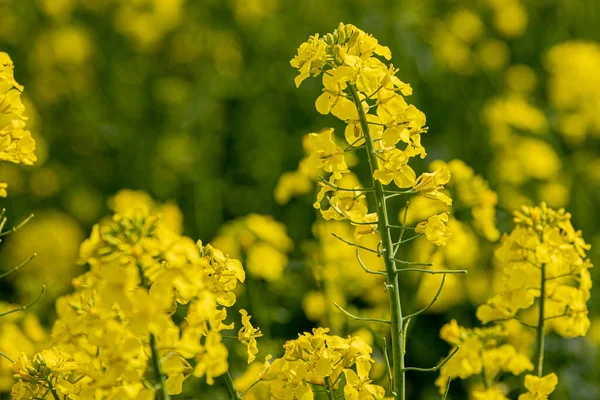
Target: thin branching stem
(348,314)
(418,263)
(398,243)
(250,387)
(338,212)
(367,270)
(411,228)
(159,376)
(233,393)
(438,366)
(566,314)
(396,325)
(18,267)
(27,306)
(336,187)
(51,389)
(433,271)
(437,295)
(539,367)
(17,227)
(352,145)
(445,396)
(355,244)
(2,354)
(388,367)
(495,321)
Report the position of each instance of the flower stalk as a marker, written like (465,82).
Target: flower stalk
(159,376)
(396,323)
(233,393)
(539,367)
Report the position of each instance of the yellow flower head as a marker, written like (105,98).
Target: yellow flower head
(543,239)
(430,184)
(248,334)
(16,143)
(435,229)
(539,388)
(320,359)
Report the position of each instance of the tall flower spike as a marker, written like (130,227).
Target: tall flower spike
(364,92)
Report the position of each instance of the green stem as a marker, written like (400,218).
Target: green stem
(387,248)
(540,327)
(330,391)
(233,393)
(161,393)
(51,388)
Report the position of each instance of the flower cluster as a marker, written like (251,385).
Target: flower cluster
(364,92)
(50,373)
(543,281)
(538,388)
(260,242)
(19,333)
(483,352)
(543,258)
(323,360)
(16,143)
(352,74)
(119,321)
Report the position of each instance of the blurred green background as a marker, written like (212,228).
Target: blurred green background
(194,101)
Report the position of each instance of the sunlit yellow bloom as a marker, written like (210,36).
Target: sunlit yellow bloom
(483,351)
(248,334)
(430,184)
(325,154)
(394,167)
(543,239)
(53,368)
(320,359)
(16,143)
(539,388)
(310,59)
(435,229)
